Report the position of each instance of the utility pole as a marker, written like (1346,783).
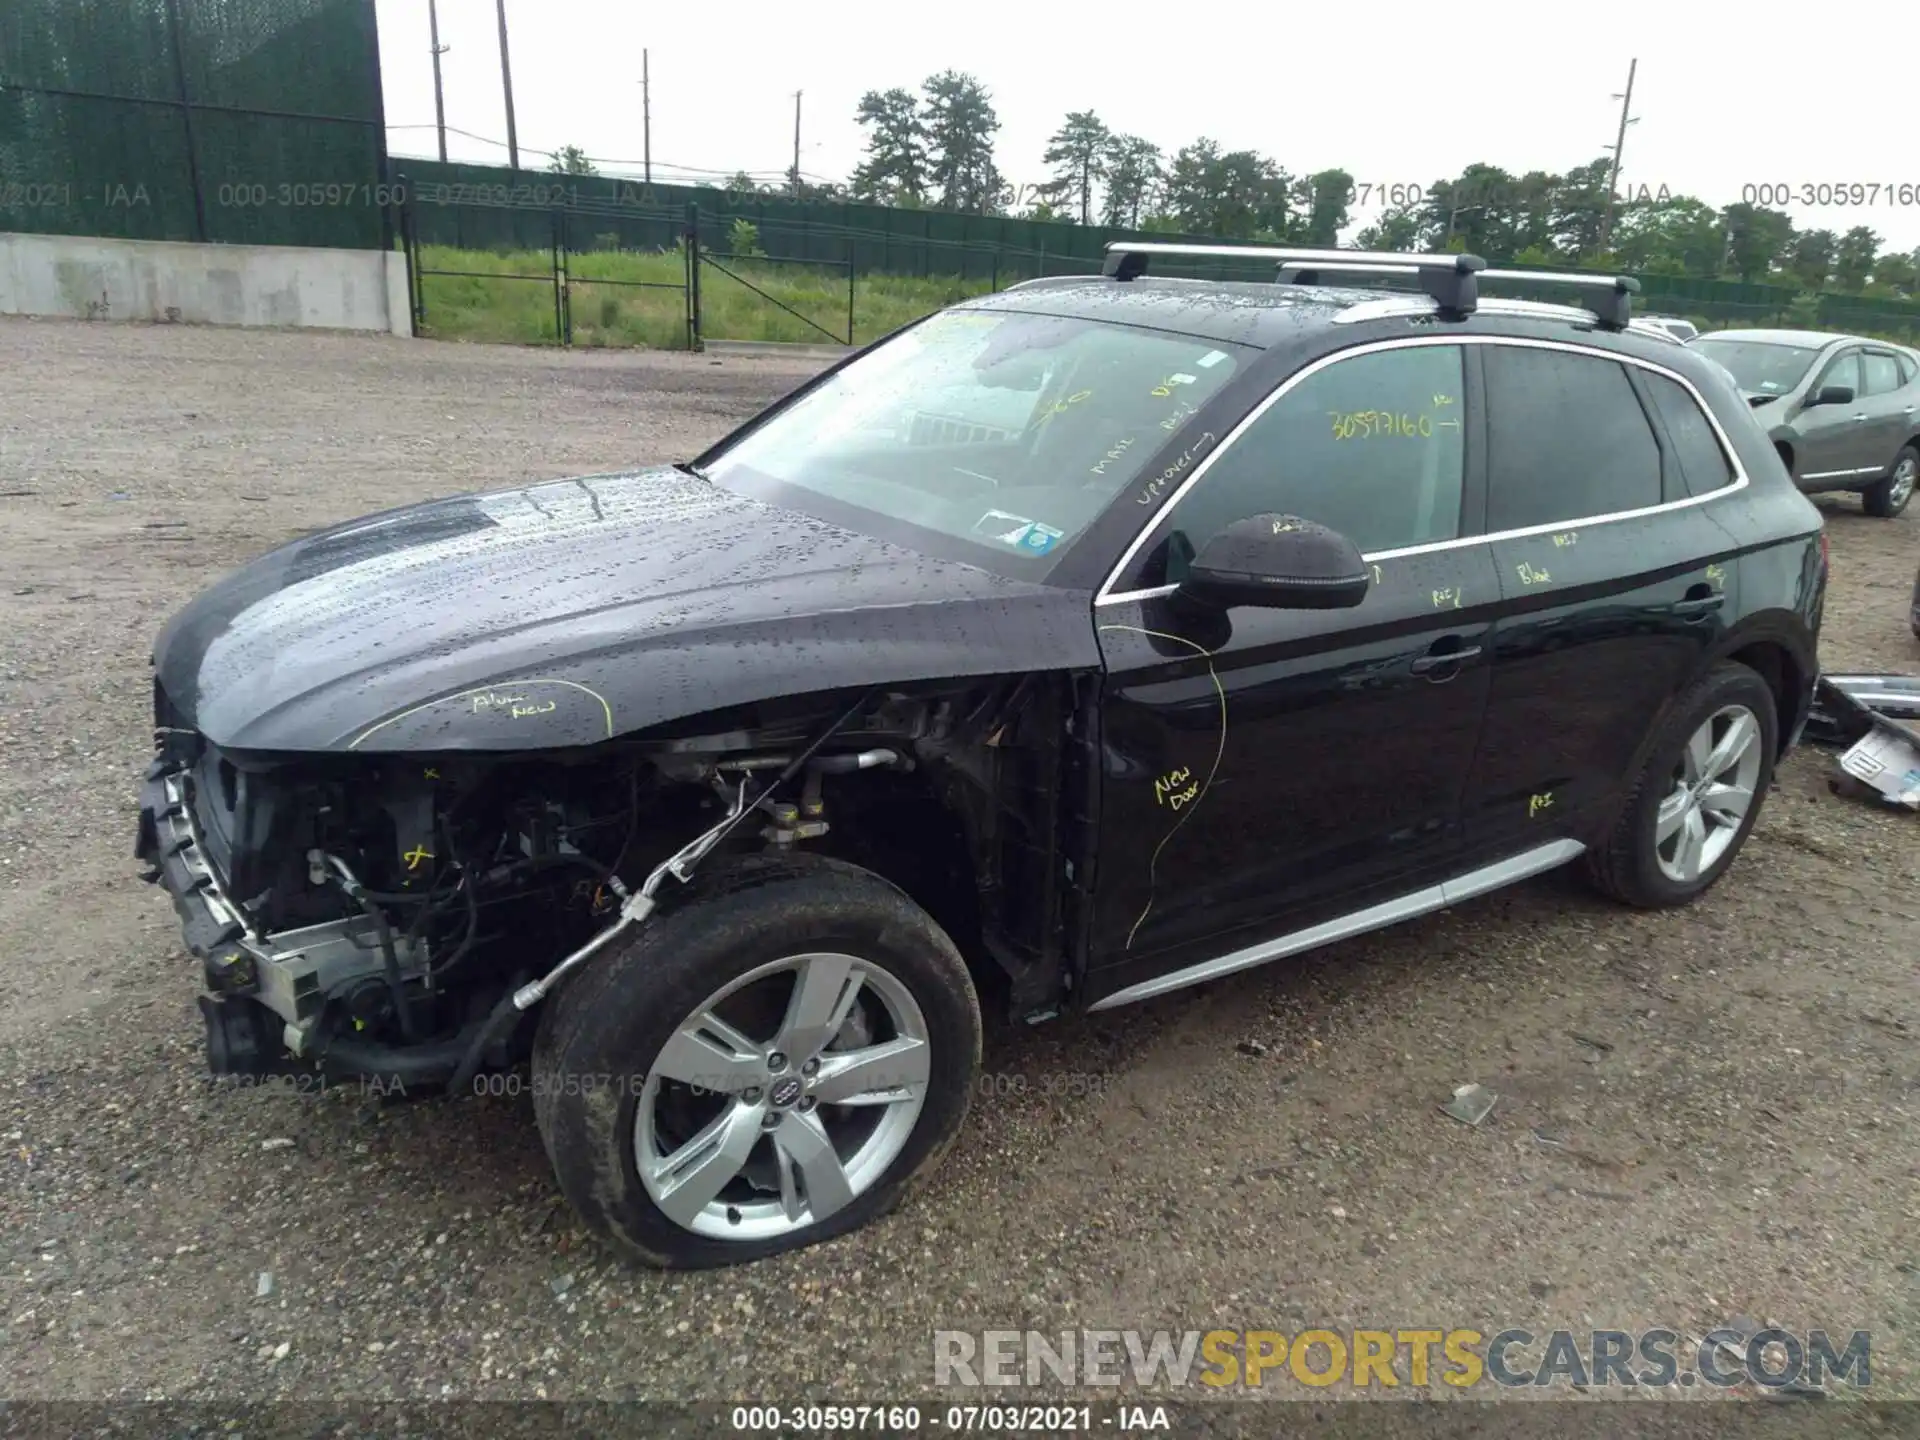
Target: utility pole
(1619,148)
(646,118)
(1454,212)
(439,101)
(796,145)
(506,85)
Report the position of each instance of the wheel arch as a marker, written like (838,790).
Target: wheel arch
(968,824)
(1766,644)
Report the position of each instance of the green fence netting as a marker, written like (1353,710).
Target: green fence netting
(485,207)
(245,121)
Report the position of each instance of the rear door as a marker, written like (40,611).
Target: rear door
(1888,405)
(1611,580)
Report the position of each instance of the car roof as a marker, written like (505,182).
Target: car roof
(1264,315)
(1803,339)
(1260,314)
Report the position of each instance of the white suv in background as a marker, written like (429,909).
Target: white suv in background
(1681,330)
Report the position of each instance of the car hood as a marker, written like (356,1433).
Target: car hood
(571,611)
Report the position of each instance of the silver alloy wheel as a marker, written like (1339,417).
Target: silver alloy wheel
(1903,477)
(817,1108)
(1713,789)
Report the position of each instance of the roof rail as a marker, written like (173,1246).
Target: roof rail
(1451,280)
(1448,278)
(1612,307)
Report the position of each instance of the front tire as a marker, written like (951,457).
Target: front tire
(1698,796)
(1888,496)
(768,1063)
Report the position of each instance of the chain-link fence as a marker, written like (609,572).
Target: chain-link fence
(247,121)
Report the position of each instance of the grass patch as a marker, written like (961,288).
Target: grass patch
(487,304)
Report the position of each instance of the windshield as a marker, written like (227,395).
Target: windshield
(1007,432)
(1757,365)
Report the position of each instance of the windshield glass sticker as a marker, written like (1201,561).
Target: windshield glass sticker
(999,525)
(1040,539)
(1211,358)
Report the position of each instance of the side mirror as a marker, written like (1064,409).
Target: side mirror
(1281,562)
(1832,395)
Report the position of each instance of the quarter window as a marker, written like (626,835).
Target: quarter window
(1704,466)
(1370,446)
(1567,439)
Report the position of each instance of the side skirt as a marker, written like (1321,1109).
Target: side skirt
(1374,917)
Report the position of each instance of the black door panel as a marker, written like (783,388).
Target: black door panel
(1271,760)
(1600,626)
(1603,619)
(1261,764)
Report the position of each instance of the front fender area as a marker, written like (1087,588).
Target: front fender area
(541,713)
(626,687)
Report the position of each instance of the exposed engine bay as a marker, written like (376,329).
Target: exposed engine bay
(374,915)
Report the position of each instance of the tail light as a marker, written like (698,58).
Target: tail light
(1826,550)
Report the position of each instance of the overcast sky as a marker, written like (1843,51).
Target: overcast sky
(1726,97)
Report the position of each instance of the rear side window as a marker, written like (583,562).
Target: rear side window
(1566,439)
(1704,466)
(1881,371)
(1907,369)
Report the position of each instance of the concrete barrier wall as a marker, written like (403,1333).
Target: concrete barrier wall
(89,278)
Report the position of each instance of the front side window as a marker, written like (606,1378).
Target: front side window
(1001,433)
(1370,446)
(1843,371)
(1567,439)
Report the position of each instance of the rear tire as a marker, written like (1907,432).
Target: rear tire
(761,1150)
(1685,819)
(1888,496)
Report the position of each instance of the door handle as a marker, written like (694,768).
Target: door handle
(1698,607)
(1859,417)
(1439,659)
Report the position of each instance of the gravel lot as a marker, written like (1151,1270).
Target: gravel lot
(1702,1115)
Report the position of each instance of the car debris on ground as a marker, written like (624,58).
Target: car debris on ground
(1877,719)
(1470,1104)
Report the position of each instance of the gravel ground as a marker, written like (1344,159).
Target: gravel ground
(1702,1114)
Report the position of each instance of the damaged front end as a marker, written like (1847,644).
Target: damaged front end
(396,917)
(362,915)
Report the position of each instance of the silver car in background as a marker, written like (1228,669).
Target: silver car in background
(1842,410)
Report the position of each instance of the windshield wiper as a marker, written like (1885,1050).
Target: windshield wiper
(687,467)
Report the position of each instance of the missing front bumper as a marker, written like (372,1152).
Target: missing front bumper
(287,976)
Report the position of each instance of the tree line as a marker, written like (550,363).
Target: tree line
(934,149)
